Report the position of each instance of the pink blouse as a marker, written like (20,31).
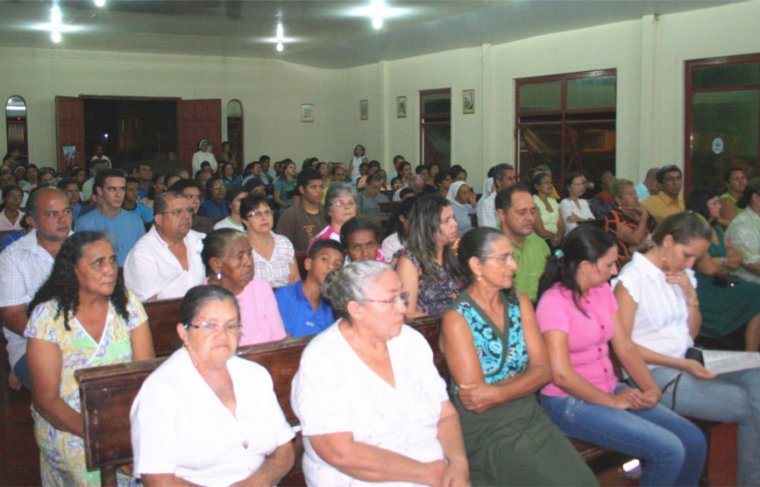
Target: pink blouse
(587,336)
(259,314)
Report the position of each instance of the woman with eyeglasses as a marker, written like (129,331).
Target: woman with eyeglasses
(340,206)
(229,264)
(498,361)
(274,258)
(82,316)
(372,406)
(206,416)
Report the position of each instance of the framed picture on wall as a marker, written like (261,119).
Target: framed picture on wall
(400,107)
(307,112)
(363,109)
(468,101)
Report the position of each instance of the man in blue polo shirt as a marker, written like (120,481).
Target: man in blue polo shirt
(302,308)
(124,227)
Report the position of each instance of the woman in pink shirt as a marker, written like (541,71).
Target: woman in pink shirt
(578,316)
(229,264)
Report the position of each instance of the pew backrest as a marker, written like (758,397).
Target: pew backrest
(163,317)
(107,394)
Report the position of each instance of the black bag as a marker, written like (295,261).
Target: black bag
(727,280)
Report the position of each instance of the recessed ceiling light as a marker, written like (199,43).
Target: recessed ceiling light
(378,11)
(99,3)
(280,47)
(56,37)
(56,16)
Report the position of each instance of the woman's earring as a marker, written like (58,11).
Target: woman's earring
(218,276)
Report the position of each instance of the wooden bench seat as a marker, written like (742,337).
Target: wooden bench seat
(107,394)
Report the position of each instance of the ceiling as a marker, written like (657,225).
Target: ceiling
(320,33)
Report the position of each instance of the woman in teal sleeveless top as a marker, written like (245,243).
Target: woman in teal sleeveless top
(498,361)
(726,306)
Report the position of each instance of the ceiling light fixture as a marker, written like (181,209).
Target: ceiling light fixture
(279,36)
(56,19)
(378,10)
(99,3)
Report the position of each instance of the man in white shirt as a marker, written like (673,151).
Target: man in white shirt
(25,266)
(166,262)
(503,177)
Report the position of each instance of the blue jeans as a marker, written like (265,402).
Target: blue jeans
(21,370)
(731,397)
(672,448)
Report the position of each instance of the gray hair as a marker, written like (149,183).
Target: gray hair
(350,283)
(335,190)
(162,201)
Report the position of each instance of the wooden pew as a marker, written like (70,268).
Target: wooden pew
(163,317)
(107,394)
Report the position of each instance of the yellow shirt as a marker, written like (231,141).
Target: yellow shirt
(661,205)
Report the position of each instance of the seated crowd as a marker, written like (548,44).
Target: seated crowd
(531,292)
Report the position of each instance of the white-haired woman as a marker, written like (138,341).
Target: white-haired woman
(376,411)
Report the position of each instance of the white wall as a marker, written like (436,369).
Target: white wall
(271,93)
(648,54)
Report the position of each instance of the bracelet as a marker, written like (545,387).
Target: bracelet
(694,304)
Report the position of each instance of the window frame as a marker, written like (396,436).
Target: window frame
(690,67)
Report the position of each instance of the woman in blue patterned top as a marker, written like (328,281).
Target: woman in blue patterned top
(498,361)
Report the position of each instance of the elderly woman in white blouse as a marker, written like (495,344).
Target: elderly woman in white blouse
(274,258)
(206,416)
(372,406)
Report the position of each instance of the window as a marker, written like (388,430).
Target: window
(435,127)
(15,123)
(235,131)
(567,122)
(722,118)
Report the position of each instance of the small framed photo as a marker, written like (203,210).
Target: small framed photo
(307,112)
(363,110)
(468,101)
(400,107)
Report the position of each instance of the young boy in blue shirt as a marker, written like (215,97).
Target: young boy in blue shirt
(302,308)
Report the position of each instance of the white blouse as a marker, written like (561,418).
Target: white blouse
(335,391)
(567,208)
(661,322)
(550,219)
(180,426)
(276,270)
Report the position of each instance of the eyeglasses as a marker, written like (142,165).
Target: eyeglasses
(214,327)
(260,214)
(401,298)
(179,211)
(506,258)
(217,188)
(344,203)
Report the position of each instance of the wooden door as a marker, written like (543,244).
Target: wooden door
(69,115)
(196,120)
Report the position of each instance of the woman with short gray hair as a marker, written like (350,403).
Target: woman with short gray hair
(377,410)
(340,206)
